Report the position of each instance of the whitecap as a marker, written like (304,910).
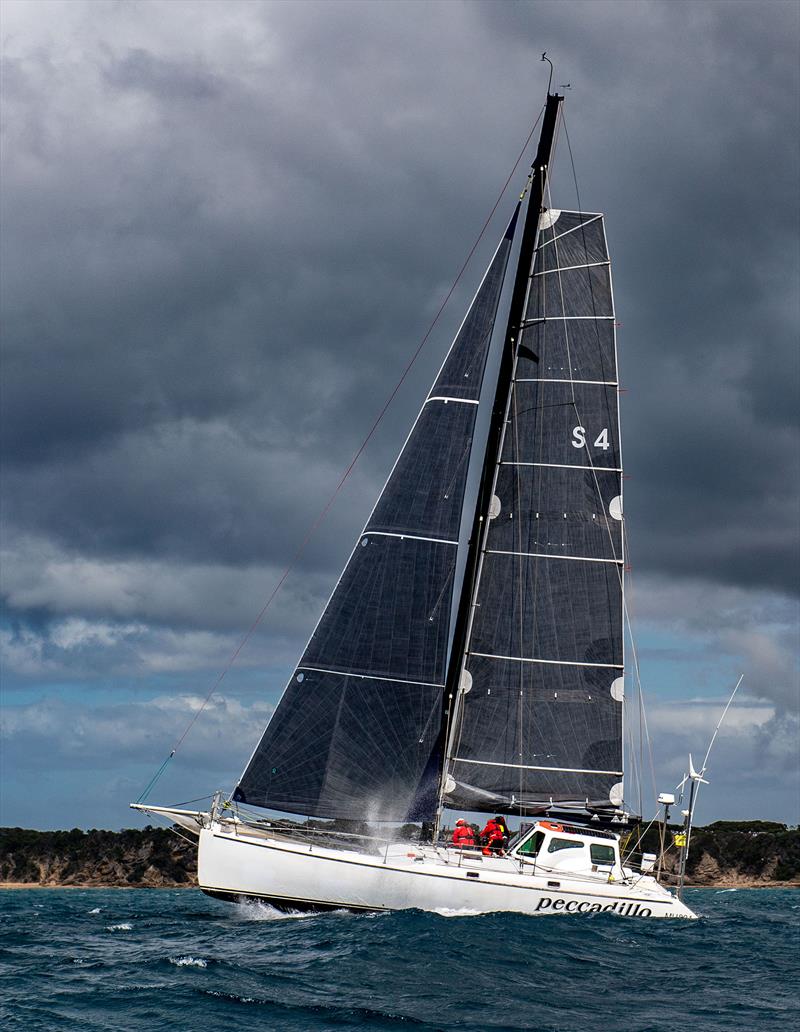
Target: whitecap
(95,911)
(229,996)
(124,927)
(254,910)
(188,962)
(720,891)
(452,912)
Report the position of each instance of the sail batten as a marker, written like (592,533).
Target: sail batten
(462,401)
(569,268)
(532,766)
(562,465)
(537,319)
(551,555)
(565,379)
(369,677)
(538,659)
(411,537)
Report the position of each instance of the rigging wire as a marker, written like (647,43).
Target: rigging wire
(188,802)
(638,677)
(719,725)
(328,505)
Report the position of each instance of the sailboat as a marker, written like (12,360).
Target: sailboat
(470,657)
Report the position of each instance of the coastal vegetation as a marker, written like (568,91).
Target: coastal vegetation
(758,850)
(147,857)
(735,853)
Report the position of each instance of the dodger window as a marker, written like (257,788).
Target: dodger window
(602,854)
(532,845)
(562,843)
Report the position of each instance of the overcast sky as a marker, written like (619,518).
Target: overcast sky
(227,225)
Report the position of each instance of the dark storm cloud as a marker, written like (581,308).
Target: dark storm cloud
(195,352)
(166,80)
(226,228)
(693,165)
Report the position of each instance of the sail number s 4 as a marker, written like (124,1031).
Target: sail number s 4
(579,438)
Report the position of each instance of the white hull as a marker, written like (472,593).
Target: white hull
(236,862)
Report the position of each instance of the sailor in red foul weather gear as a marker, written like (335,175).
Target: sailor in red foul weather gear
(492,838)
(463,835)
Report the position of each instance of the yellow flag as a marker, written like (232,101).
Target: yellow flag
(679,839)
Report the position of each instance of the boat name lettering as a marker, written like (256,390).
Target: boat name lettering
(575,906)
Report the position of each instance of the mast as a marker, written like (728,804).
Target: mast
(537,187)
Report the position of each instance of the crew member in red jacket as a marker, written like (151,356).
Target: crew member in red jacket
(492,838)
(463,835)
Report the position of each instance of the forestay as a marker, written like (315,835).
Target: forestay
(357,733)
(539,716)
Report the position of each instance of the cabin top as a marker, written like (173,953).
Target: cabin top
(558,845)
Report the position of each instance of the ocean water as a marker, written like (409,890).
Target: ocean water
(174,959)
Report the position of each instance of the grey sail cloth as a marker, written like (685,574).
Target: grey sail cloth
(541,716)
(357,733)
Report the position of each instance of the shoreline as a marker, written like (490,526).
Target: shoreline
(726,855)
(13,886)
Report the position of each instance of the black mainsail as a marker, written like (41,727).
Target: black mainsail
(539,715)
(357,733)
(533,679)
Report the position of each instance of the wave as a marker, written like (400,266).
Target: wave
(457,912)
(256,910)
(403,971)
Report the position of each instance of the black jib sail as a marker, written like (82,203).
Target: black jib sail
(539,711)
(358,729)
